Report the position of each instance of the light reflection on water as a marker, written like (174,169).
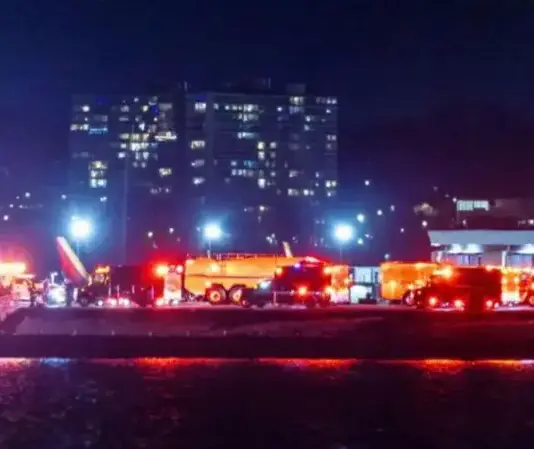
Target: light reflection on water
(54,402)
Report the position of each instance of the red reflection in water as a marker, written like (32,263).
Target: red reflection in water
(175,361)
(312,363)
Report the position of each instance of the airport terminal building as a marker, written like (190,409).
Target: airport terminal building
(492,232)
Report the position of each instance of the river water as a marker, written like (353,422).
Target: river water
(162,403)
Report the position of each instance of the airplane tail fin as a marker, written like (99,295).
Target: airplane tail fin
(71,264)
(287,249)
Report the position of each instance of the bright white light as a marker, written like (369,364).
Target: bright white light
(343,232)
(392,208)
(212,231)
(360,241)
(6,217)
(80,228)
(424,223)
(360,218)
(402,230)
(150,234)
(171,230)
(379,212)
(387,256)
(367,182)
(27,194)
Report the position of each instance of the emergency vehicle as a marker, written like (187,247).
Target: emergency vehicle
(310,282)
(398,280)
(123,286)
(462,288)
(221,279)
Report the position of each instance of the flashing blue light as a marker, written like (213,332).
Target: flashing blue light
(264,284)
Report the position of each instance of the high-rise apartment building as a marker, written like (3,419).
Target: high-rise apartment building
(123,154)
(266,160)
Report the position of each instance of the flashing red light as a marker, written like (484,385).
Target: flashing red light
(161,270)
(302,291)
(489,304)
(433,301)
(160,302)
(458,304)
(329,290)
(278,271)
(113,302)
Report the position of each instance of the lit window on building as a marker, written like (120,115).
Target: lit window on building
(197,144)
(472,205)
(295,109)
(97,183)
(330,183)
(198,163)
(125,108)
(86,108)
(144,108)
(233,163)
(103,199)
(307,128)
(250,107)
(121,154)
(261,155)
(293,192)
(331,137)
(279,108)
(273,145)
(297,101)
(216,106)
(200,106)
(197,181)
(273,174)
(293,173)
(99,165)
(330,193)
(261,145)
(246,135)
(262,183)
(165,172)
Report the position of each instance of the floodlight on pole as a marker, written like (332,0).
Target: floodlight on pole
(212,232)
(80,230)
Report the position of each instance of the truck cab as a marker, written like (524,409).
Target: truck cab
(309,282)
(461,288)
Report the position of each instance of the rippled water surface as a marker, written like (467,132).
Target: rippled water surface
(159,403)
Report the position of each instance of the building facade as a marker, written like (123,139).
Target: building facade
(264,160)
(123,159)
(483,231)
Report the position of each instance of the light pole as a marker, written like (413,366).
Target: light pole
(211,232)
(343,233)
(80,229)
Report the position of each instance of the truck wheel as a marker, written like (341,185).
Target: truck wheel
(235,295)
(216,296)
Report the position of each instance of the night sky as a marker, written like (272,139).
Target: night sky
(431,92)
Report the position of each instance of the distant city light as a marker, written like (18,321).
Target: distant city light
(6,217)
(212,231)
(150,234)
(63,197)
(360,218)
(367,182)
(402,230)
(379,212)
(392,208)
(343,233)
(360,241)
(387,256)
(424,223)
(27,194)
(171,230)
